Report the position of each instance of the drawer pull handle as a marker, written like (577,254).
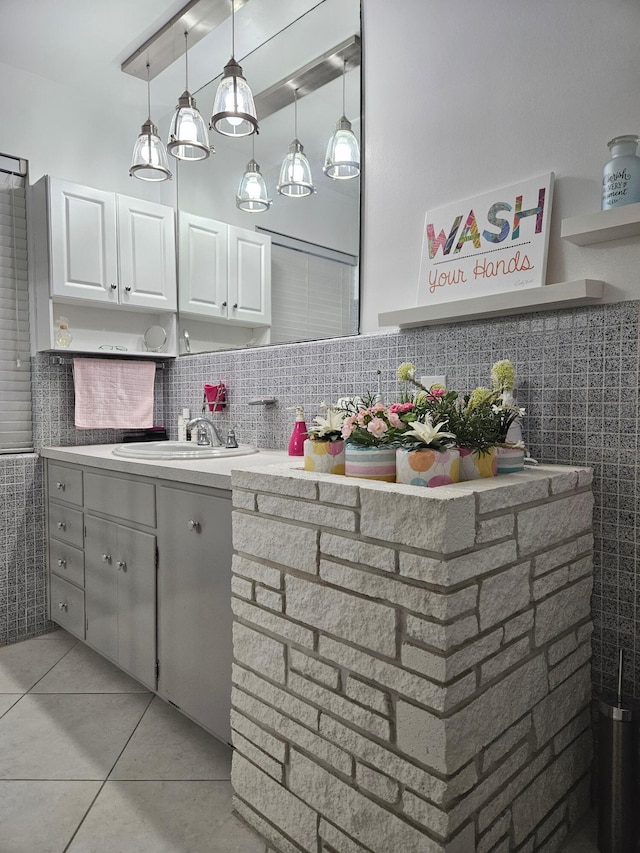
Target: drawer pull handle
(114,286)
(62,563)
(193,525)
(224,304)
(121,565)
(235,305)
(106,558)
(128,288)
(63,605)
(61,525)
(60,486)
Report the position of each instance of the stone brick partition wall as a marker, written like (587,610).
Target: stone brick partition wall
(411,666)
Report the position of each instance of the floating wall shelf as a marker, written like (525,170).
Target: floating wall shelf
(567,294)
(602,226)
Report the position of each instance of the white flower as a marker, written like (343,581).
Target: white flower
(331,424)
(427,433)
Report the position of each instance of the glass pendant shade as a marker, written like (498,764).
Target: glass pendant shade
(149,161)
(342,160)
(295,173)
(188,138)
(252,194)
(234,112)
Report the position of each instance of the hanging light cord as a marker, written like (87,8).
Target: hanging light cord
(186,63)
(344,100)
(295,113)
(148,93)
(233,29)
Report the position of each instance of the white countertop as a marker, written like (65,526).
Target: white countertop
(202,472)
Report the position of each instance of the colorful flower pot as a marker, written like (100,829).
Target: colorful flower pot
(510,459)
(324,457)
(426,467)
(370,463)
(475,465)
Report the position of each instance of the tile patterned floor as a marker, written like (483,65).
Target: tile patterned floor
(91,762)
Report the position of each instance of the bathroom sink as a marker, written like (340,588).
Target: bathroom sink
(178,450)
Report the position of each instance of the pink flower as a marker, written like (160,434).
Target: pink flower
(360,417)
(400,408)
(348,425)
(377,427)
(435,394)
(379,407)
(394,419)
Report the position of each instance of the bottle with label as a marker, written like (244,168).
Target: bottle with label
(621,175)
(63,336)
(299,434)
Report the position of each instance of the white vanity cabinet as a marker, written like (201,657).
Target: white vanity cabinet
(225,272)
(140,569)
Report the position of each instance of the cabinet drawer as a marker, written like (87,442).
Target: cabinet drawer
(126,499)
(65,484)
(67,606)
(66,524)
(66,561)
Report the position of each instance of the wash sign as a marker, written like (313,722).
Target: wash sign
(494,243)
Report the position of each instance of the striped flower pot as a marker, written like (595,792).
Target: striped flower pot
(325,457)
(426,467)
(510,459)
(371,463)
(475,465)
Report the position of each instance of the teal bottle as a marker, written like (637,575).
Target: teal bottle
(621,175)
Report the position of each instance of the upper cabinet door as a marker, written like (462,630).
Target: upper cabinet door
(203,266)
(146,235)
(82,242)
(249,277)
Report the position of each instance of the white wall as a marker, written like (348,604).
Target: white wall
(462,97)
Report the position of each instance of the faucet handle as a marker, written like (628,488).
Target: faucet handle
(231,438)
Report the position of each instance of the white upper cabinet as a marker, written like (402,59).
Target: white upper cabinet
(225,272)
(109,248)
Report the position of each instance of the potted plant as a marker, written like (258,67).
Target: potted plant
(324,448)
(372,431)
(511,448)
(427,456)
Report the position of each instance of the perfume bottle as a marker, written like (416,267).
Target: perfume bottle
(621,175)
(63,336)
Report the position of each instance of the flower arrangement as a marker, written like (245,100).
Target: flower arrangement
(372,424)
(329,428)
(426,434)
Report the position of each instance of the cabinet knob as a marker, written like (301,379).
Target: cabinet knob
(128,288)
(113,286)
(235,304)
(193,525)
(106,558)
(224,304)
(61,525)
(62,605)
(121,565)
(62,563)
(60,486)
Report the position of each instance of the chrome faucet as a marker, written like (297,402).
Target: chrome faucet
(206,428)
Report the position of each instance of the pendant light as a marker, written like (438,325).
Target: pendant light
(149,161)
(342,161)
(295,173)
(188,139)
(252,193)
(234,112)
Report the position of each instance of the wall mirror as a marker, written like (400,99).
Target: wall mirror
(314,241)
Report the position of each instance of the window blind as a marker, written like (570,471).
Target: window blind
(313,291)
(15,364)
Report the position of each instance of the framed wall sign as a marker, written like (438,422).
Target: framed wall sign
(493,243)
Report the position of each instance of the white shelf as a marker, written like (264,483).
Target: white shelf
(613,224)
(567,294)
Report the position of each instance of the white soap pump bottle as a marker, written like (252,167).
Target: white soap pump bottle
(183,420)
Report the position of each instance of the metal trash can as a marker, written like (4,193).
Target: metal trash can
(618,774)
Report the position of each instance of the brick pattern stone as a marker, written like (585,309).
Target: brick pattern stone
(411,665)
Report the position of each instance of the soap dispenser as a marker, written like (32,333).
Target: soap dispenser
(299,434)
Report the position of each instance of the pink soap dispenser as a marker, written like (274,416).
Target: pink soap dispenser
(299,434)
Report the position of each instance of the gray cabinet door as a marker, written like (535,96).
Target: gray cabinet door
(194,605)
(120,589)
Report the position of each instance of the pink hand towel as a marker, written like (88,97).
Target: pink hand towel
(113,394)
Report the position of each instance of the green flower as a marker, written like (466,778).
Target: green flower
(478,397)
(406,372)
(503,376)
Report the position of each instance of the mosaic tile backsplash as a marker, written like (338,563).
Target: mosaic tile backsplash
(577,377)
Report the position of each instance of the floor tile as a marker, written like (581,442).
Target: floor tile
(164,817)
(84,671)
(71,736)
(23,664)
(42,816)
(166,745)
(7,700)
